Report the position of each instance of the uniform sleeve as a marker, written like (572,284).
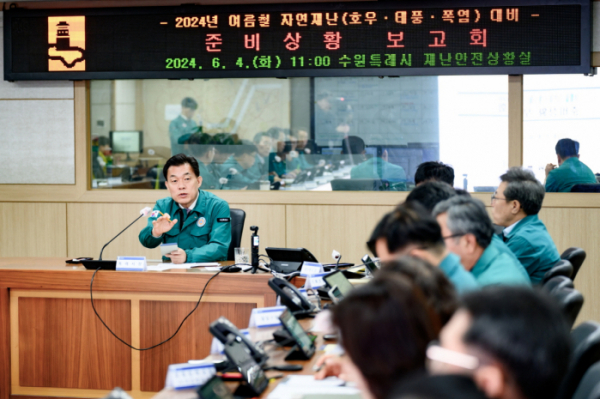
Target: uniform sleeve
(220,238)
(146,237)
(551,185)
(523,251)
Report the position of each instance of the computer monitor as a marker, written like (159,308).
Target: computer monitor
(126,141)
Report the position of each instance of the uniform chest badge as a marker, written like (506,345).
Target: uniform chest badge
(201,222)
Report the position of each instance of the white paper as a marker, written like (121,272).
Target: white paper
(166,249)
(172,111)
(296,386)
(168,266)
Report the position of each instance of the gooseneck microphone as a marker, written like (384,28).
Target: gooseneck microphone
(254,244)
(143,212)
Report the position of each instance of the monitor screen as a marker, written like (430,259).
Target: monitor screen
(126,141)
(338,279)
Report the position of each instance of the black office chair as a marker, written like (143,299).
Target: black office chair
(238,217)
(586,352)
(561,268)
(556,283)
(570,301)
(360,185)
(576,256)
(589,387)
(586,188)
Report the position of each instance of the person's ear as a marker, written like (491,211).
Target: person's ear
(470,242)
(490,380)
(515,207)
(199,181)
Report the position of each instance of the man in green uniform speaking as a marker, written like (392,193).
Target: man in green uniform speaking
(570,171)
(198,221)
(468,232)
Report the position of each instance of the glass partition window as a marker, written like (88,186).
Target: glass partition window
(558,107)
(321,134)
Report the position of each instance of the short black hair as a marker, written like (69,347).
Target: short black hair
(353,145)
(189,102)
(258,137)
(181,159)
(567,148)
(438,290)
(245,147)
(525,331)
(224,139)
(522,186)
(467,215)
(409,223)
(433,170)
(386,326)
(430,193)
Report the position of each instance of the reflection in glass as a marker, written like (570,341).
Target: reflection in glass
(322,134)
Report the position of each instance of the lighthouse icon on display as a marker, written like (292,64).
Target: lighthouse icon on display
(63,41)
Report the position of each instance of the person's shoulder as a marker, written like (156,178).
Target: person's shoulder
(164,203)
(214,200)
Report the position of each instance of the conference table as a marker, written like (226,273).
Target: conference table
(53,344)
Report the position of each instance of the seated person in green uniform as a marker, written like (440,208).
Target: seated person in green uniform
(434,171)
(372,168)
(303,147)
(237,169)
(264,145)
(198,221)
(515,206)
(201,147)
(183,124)
(517,339)
(282,165)
(431,193)
(468,232)
(224,143)
(570,171)
(410,230)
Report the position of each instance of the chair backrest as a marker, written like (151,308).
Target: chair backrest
(576,256)
(586,188)
(589,387)
(561,268)
(586,352)
(556,283)
(238,217)
(570,301)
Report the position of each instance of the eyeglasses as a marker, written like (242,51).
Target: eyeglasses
(436,353)
(494,198)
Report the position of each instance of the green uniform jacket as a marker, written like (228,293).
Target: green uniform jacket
(498,265)
(463,280)
(209,180)
(205,234)
(377,168)
(260,169)
(236,181)
(177,128)
(532,245)
(282,167)
(571,172)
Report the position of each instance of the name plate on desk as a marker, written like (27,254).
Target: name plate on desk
(311,268)
(186,375)
(131,263)
(314,281)
(266,317)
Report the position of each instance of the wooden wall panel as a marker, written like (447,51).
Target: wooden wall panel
(322,228)
(90,226)
(579,228)
(58,355)
(33,229)
(159,320)
(271,222)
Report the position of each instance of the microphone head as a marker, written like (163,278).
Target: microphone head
(335,255)
(145,211)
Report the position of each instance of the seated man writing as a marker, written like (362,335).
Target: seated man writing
(198,221)
(570,170)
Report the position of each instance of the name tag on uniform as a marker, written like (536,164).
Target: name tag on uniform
(223,220)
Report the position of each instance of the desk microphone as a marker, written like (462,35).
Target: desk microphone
(143,212)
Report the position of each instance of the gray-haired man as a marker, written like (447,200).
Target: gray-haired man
(468,232)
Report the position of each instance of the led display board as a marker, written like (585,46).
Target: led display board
(287,40)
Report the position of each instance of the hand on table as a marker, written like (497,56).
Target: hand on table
(161,225)
(178,256)
(331,366)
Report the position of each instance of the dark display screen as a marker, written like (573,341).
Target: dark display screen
(347,39)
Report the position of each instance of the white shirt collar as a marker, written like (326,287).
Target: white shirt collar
(510,228)
(184,117)
(193,204)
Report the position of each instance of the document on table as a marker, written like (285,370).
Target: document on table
(168,266)
(297,386)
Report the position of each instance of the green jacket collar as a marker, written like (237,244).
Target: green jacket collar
(527,220)
(486,259)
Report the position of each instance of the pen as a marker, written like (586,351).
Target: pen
(316,369)
(162,214)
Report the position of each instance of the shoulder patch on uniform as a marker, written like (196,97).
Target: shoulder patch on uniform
(223,220)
